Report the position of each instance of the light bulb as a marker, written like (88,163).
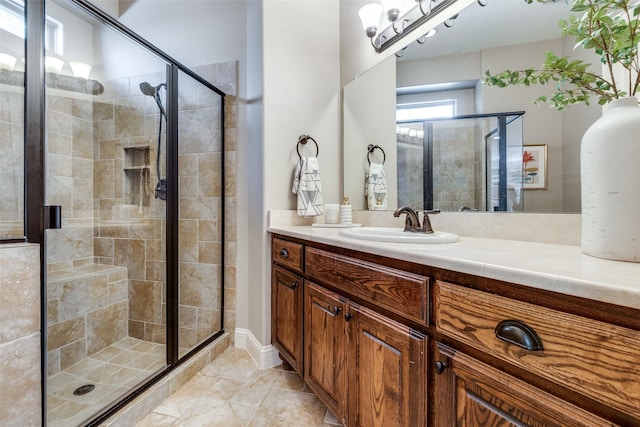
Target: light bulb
(53,65)
(370,17)
(7,62)
(81,70)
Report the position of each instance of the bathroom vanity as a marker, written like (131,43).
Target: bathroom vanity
(475,333)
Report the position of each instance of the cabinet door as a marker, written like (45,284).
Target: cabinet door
(286,315)
(324,335)
(474,394)
(387,371)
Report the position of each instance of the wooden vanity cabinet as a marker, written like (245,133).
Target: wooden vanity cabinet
(368,369)
(387,371)
(325,346)
(594,361)
(391,343)
(286,302)
(474,394)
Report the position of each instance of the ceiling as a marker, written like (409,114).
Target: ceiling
(499,23)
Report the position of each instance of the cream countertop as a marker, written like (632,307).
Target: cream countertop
(554,267)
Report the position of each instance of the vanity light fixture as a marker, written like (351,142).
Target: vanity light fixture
(432,32)
(411,18)
(370,18)
(449,22)
(392,7)
(382,37)
(420,3)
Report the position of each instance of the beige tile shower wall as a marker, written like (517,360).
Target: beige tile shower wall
(410,160)
(454,153)
(69,177)
(20,335)
(201,205)
(130,228)
(11,162)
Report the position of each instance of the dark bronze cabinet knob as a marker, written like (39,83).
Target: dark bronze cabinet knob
(284,253)
(440,366)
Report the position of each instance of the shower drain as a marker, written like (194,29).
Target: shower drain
(83,389)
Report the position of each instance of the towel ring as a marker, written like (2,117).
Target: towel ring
(371,148)
(303,139)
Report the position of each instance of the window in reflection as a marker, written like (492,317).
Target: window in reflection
(426,110)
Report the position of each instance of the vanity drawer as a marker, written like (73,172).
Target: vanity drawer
(400,292)
(593,358)
(287,254)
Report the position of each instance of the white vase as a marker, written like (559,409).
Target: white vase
(610,175)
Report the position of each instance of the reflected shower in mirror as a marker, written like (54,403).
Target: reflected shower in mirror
(462,163)
(446,70)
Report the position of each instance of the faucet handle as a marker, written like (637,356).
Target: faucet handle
(426,222)
(412,221)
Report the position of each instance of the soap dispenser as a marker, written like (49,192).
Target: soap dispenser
(346,212)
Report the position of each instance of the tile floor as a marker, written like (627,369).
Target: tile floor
(113,371)
(232,391)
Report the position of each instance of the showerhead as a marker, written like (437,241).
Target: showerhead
(148,90)
(153,91)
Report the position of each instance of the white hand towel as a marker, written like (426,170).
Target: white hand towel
(306,184)
(376,187)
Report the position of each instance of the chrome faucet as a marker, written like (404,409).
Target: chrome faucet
(412,222)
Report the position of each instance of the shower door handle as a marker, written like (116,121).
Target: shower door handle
(52,217)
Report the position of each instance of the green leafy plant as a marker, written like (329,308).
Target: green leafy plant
(611,29)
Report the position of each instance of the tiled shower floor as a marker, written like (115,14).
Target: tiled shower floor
(113,371)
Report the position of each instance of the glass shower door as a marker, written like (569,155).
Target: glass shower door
(201,208)
(104,145)
(12,48)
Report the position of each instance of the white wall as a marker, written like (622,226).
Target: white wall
(451,68)
(301,80)
(192,32)
(251,226)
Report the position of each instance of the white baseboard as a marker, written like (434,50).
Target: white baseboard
(265,356)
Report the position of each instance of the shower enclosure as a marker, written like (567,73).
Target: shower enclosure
(125,149)
(462,163)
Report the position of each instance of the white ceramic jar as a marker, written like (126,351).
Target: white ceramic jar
(610,176)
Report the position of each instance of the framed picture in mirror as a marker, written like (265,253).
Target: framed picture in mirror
(534,167)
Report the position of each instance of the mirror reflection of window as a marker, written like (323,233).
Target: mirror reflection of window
(426,110)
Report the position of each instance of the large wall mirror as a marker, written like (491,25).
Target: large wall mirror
(437,125)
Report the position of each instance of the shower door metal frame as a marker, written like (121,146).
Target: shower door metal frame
(35,132)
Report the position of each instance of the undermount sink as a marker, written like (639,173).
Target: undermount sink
(398,235)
